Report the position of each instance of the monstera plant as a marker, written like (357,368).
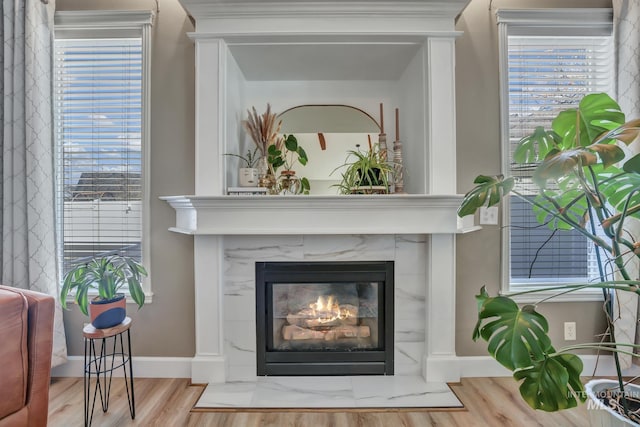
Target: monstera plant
(585,179)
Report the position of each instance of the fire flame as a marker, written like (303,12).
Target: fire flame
(328,309)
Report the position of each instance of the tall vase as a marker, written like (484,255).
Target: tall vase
(266,177)
(289,183)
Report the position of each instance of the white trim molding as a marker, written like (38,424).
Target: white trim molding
(447,369)
(143,367)
(450,368)
(556,22)
(79,24)
(345,214)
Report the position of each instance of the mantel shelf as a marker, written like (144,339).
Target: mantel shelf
(281,215)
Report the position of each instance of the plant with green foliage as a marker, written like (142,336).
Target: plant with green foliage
(584,178)
(364,169)
(285,153)
(107,275)
(250,159)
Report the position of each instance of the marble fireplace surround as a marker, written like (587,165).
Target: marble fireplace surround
(417,231)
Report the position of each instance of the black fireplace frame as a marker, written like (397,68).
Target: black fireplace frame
(365,362)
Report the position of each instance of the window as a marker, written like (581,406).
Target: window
(101,75)
(550,59)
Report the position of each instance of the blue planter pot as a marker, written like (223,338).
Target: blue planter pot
(107,313)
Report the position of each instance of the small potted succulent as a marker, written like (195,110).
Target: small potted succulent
(248,175)
(106,274)
(367,172)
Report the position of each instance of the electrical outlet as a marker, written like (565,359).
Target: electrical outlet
(570,331)
(489,216)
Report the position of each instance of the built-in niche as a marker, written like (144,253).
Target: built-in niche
(324,318)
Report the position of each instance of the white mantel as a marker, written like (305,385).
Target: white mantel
(283,215)
(289,53)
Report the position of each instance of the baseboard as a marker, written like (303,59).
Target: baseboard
(143,367)
(486,366)
(466,366)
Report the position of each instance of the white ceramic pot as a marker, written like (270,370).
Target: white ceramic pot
(248,177)
(601,415)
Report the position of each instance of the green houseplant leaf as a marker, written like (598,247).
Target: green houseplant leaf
(552,383)
(621,189)
(106,275)
(579,185)
(579,127)
(571,203)
(489,191)
(562,163)
(632,165)
(365,169)
(516,337)
(535,147)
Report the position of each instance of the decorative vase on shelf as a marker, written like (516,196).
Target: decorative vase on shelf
(248,177)
(266,178)
(289,183)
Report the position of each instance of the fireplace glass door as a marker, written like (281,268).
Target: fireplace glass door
(325,318)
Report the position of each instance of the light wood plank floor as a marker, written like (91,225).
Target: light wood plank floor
(167,402)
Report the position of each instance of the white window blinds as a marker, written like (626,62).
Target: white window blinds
(98,95)
(550,62)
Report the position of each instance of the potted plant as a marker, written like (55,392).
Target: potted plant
(584,178)
(263,130)
(248,175)
(367,172)
(106,274)
(285,152)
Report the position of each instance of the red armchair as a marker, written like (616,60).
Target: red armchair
(26,340)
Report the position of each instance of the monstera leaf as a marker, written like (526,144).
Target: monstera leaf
(518,340)
(535,147)
(517,337)
(632,165)
(596,113)
(571,202)
(562,163)
(626,133)
(618,186)
(552,383)
(489,191)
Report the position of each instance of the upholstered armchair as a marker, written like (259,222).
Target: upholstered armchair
(26,339)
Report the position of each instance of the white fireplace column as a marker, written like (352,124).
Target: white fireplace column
(208,364)
(440,351)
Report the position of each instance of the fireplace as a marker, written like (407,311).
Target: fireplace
(324,318)
(325,44)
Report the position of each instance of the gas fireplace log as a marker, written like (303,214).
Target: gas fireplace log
(311,318)
(294,333)
(348,332)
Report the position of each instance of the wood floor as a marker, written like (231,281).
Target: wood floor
(168,402)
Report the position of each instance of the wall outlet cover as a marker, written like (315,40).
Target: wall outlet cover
(489,216)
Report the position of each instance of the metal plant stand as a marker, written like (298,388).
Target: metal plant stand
(103,359)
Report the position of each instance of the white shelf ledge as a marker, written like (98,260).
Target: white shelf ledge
(282,215)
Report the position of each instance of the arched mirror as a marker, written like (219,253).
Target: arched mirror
(327,132)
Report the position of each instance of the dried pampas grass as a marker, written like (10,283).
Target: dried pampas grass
(263,129)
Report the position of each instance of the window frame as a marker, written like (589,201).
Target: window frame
(553,22)
(119,23)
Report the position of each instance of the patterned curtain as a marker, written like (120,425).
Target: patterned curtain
(28,256)
(626,26)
